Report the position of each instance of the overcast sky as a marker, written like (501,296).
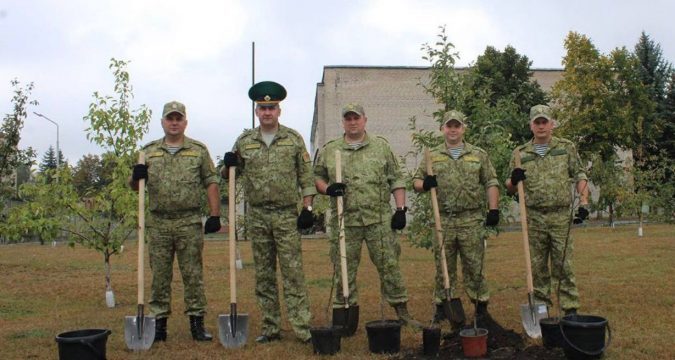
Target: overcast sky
(199,52)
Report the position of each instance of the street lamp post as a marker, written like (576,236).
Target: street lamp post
(58,152)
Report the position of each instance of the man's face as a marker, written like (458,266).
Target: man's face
(268,115)
(174,124)
(354,124)
(542,128)
(453,131)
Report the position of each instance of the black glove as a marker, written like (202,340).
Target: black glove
(212,224)
(305,219)
(140,172)
(429,182)
(492,218)
(517,174)
(336,189)
(398,219)
(230,159)
(581,215)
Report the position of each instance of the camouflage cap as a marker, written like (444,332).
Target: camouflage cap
(174,107)
(267,93)
(541,111)
(454,115)
(353,107)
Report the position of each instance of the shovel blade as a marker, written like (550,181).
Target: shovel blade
(136,337)
(229,337)
(530,316)
(346,320)
(454,310)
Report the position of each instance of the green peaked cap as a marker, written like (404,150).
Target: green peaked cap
(267,92)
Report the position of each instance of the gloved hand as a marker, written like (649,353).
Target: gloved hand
(212,224)
(429,182)
(517,175)
(305,219)
(230,159)
(140,172)
(492,218)
(336,189)
(581,215)
(398,219)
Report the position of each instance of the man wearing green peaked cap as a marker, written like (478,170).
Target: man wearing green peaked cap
(552,165)
(275,169)
(466,182)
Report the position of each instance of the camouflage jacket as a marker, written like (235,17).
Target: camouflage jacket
(274,176)
(370,172)
(461,183)
(550,177)
(176,182)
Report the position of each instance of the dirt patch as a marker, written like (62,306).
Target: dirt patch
(502,344)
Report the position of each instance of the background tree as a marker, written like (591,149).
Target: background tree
(105,218)
(92,173)
(501,77)
(11,157)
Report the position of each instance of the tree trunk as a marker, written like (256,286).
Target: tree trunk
(611,215)
(109,295)
(640,217)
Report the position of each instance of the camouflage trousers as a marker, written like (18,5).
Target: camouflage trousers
(184,238)
(384,250)
(463,236)
(547,233)
(273,235)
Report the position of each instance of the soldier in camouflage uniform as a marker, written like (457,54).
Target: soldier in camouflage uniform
(552,165)
(275,168)
(178,171)
(370,173)
(464,178)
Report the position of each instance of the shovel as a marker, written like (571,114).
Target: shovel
(451,307)
(139,330)
(531,312)
(233,328)
(347,317)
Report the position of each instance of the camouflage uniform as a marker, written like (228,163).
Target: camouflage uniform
(271,177)
(462,185)
(370,172)
(176,190)
(548,197)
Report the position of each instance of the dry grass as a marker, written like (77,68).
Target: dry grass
(45,291)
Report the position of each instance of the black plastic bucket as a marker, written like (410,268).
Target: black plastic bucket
(550,332)
(325,340)
(584,336)
(86,344)
(431,340)
(384,336)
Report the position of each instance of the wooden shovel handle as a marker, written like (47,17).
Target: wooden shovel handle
(231,220)
(341,221)
(141,232)
(438,229)
(523,225)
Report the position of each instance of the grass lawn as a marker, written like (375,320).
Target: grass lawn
(47,290)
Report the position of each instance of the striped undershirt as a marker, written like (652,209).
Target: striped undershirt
(172,149)
(355,146)
(541,149)
(456,151)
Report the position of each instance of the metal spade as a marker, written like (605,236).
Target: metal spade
(531,312)
(233,327)
(139,330)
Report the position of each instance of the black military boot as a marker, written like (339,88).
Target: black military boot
(439,315)
(160,329)
(404,316)
(197,329)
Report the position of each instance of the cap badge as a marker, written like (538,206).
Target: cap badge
(267,98)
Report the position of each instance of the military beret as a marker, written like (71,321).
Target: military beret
(267,93)
(173,107)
